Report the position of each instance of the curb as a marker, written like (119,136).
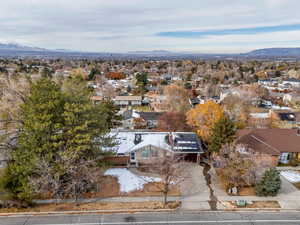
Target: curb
(241,210)
(121,211)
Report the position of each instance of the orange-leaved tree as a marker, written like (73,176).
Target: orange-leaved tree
(203,117)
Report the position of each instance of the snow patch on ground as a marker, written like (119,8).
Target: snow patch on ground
(129,181)
(291,176)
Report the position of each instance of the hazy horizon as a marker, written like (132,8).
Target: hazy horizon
(121,26)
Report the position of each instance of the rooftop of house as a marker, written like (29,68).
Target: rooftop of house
(183,142)
(96,98)
(287,116)
(128,98)
(270,141)
(150,115)
(291,80)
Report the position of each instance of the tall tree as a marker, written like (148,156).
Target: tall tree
(39,135)
(223,132)
(203,117)
(177,98)
(173,121)
(62,132)
(142,79)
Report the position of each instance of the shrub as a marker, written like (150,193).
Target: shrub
(294,162)
(269,184)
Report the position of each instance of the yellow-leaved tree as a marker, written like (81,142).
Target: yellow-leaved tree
(203,117)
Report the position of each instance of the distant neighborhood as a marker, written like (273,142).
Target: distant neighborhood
(233,124)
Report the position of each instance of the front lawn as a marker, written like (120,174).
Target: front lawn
(256,205)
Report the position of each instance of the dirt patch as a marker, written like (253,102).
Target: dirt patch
(154,189)
(297,185)
(244,191)
(94,206)
(247,191)
(257,204)
(109,187)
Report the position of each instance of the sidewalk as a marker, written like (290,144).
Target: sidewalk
(114,199)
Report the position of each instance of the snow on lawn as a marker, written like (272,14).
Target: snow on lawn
(291,176)
(129,181)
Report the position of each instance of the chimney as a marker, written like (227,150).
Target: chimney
(137,139)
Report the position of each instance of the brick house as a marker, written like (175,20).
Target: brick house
(281,144)
(143,148)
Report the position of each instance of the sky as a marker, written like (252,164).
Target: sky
(203,26)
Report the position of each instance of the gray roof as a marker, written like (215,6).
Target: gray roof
(150,115)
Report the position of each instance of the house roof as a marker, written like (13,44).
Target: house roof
(270,141)
(185,142)
(128,98)
(287,116)
(150,115)
(292,80)
(129,114)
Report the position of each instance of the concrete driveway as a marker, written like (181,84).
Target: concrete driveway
(195,192)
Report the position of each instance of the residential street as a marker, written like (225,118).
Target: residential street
(203,218)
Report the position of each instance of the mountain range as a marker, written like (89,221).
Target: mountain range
(13,49)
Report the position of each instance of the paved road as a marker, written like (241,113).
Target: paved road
(202,218)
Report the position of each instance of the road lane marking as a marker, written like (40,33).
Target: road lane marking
(183,222)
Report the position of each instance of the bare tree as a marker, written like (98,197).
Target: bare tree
(172,170)
(240,166)
(65,180)
(13,92)
(177,98)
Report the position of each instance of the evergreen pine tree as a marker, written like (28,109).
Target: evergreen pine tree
(223,132)
(61,136)
(39,136)
(270,183)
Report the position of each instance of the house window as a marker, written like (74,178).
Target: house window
(145,153)
(284,157)
(132,156)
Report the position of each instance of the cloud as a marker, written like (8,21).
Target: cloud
(222,32)
(125,25)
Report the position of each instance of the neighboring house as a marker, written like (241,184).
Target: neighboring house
(227,93)
(157,103)
(290,119)
(194,101)
(268,82)
(128,117)
(291,97)
(96,99)
(259,120)
(281,144)
(151,118)
(140,120)
(146,147)
(291,82)
(128,100)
